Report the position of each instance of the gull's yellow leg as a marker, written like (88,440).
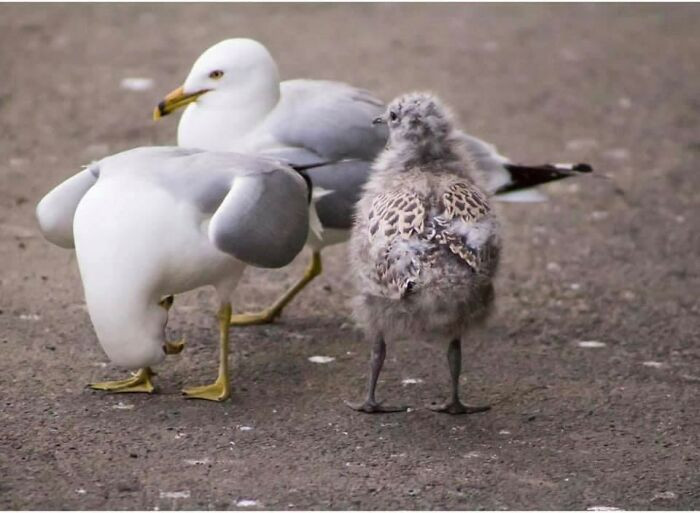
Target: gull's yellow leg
(220,390)
(272,312)
(139,382)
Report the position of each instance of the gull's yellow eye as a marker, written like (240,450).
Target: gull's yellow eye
(216,74)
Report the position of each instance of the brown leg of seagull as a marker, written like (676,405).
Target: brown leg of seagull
(454,406)
(220,390)
(370,405)
(272,312)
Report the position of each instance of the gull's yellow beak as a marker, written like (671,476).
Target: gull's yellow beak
(175,100)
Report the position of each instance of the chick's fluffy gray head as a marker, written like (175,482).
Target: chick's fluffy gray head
(420,127)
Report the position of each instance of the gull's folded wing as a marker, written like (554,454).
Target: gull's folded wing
(331,119)
(55,211)
(344,181)
(264,218)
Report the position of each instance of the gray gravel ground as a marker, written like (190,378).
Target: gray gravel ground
(610,261)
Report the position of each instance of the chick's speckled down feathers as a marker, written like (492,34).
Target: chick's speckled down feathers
(425,245)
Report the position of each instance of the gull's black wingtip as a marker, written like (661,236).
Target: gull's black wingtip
(582,167)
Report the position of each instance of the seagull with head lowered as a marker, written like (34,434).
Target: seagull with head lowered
(152,222)
(235,101)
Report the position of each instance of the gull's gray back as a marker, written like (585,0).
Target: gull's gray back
(258,206)
(332,119)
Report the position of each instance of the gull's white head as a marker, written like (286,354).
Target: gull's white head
(230,74)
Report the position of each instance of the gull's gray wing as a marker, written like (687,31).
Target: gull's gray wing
(331,119)
(297,157)
(56,210)
(258,206)
(264,218)
(515,182)
(345,179)
(489,163)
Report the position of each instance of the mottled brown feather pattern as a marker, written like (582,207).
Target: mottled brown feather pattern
(401,215)
(466,201)
(398,213)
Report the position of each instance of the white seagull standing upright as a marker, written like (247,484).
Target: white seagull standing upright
(236,102)
(151,222)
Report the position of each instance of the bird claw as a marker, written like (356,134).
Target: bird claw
(138,383)
(458,408)
(374,407)
(217,391)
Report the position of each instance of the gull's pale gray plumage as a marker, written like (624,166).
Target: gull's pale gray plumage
(330,119)
(152,222)
(343,181)
(257,204)
(56,210)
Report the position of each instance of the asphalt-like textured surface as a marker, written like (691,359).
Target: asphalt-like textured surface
(613,261)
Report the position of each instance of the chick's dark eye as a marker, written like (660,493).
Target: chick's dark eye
(393,116)
(216,74)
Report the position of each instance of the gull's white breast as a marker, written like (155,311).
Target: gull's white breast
(136,243)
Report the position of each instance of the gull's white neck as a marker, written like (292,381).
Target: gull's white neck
(223,120)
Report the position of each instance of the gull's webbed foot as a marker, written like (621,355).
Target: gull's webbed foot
(140,382)
(457,408)
(266,316)
(375,407)
(218,391)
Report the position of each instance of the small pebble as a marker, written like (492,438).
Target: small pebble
(581,144)
(617,154)
(624,102)
(589,344)
(136,83)
(553,267)
(205,461)
(321,359)
(175,495)
(123,406)
(665,496)
(246,503)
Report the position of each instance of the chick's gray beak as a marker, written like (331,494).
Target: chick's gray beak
(378,121)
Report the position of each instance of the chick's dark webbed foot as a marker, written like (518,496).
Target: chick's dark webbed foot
(370,404)
(458,408)
(375,407)
(454,406)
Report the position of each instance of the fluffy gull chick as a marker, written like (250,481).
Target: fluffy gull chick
(425,246)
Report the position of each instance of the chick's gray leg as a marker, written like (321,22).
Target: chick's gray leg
(454,406)
(370,405)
